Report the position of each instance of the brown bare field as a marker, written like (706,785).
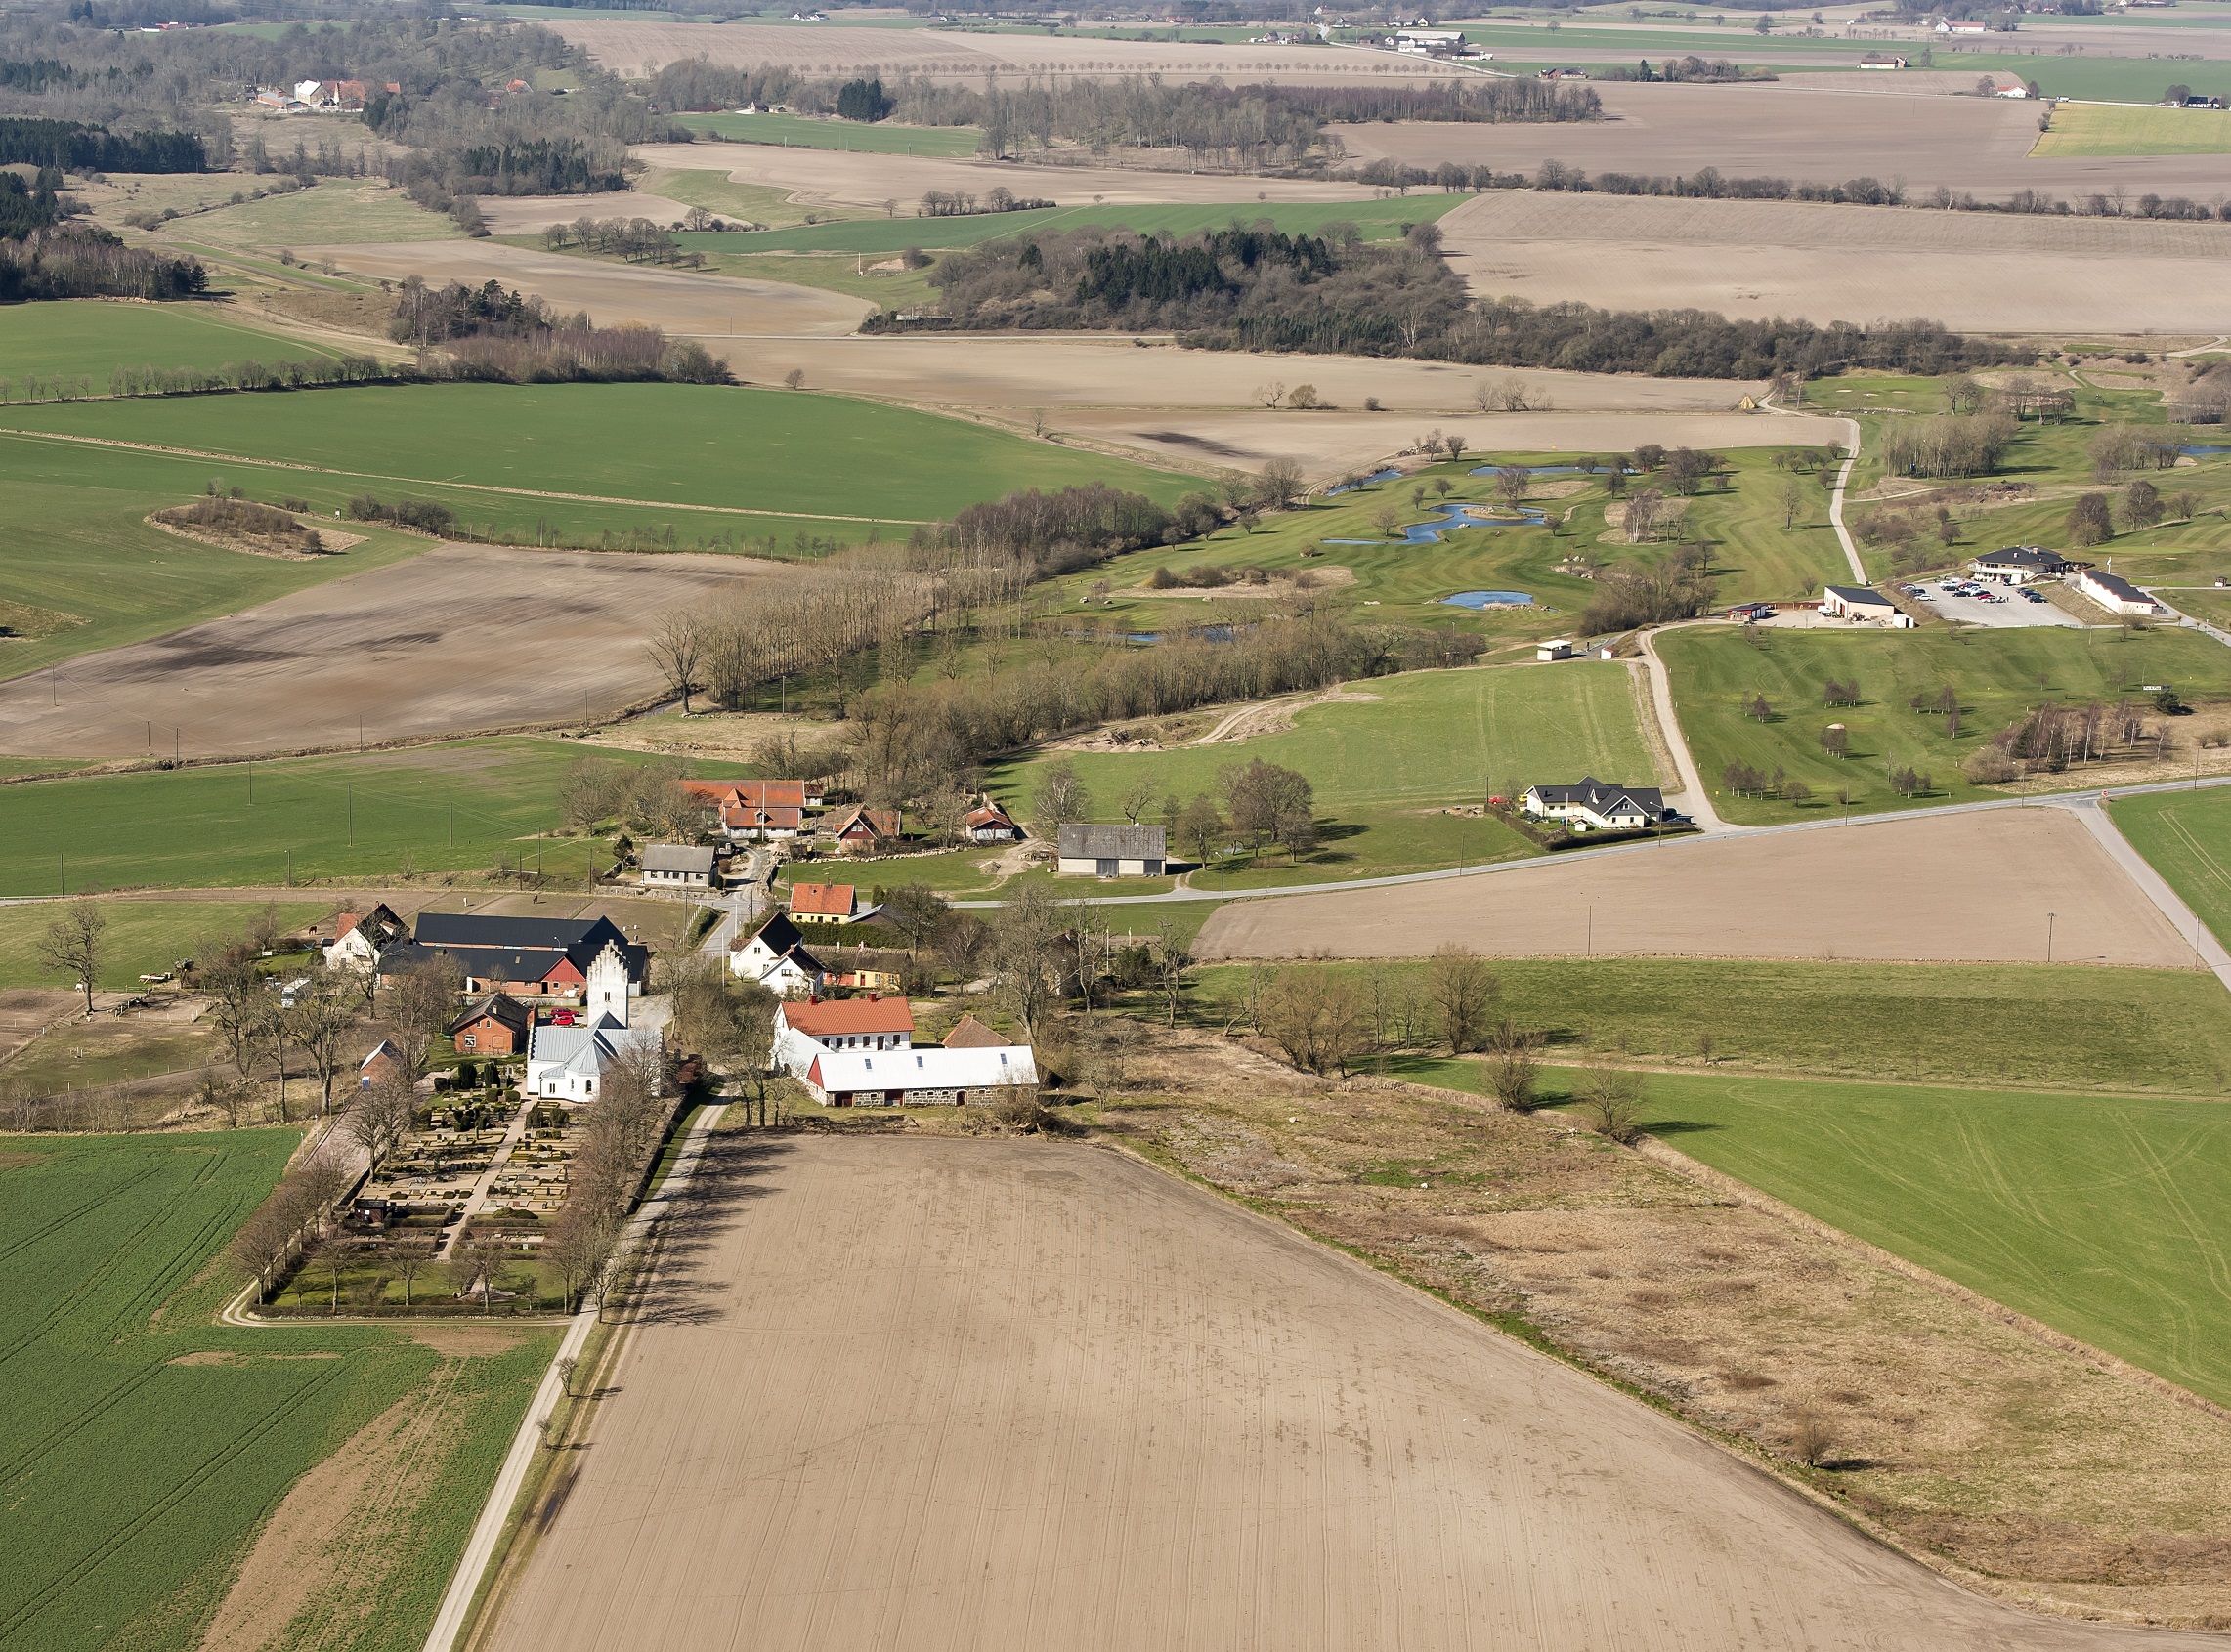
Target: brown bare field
(847,178)
(633,49)
(2029,1468)
(914,1392)
(1807,133)
(1974,270)
(1879,891)
(445,643)
(612,293)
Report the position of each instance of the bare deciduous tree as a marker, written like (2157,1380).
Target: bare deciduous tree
(1139,796)
(677,649)
(72,945)
(1060,797)
(1611,1100)
(1173,957)
(1463,989)
(1318,1017)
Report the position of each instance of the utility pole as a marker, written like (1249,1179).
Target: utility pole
(176,742)
(2049,937)
(63,858)
(290,868)
(352,817)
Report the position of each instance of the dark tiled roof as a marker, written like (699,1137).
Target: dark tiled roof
(1603,796)
(1083,840)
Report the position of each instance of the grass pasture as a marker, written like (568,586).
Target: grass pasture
(2102,1216)
(146,1446)
(1378,219)
(2152,1030)
(91,336)
(2136,129)
(142,937)
(797,132)
(379,814)
(1997,676)
(652,444)
(2186,837)
(336,212)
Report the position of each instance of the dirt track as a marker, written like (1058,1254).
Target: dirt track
(920,1393)
(1804,132)
(1945,888)
(464,637)
(1968,270)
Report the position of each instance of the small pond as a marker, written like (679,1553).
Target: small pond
(1453,517)
(1490,599)
(1388,475)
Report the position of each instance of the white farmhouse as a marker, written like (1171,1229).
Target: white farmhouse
(920,1077)
(1594,805)
(805,1032)
(677,866)
(776,958)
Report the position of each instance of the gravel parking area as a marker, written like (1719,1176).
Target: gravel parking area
(2013,612)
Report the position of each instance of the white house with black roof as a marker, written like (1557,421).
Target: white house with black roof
(2114,593)
(1594,805)
(1085,850)
(776,958)
(2017,564)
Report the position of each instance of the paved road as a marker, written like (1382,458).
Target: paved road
(1696,793)
(2154,887)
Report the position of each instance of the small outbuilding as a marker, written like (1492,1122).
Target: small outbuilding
(2114,593)
(497,1025)
(1860,602)
(1082,849)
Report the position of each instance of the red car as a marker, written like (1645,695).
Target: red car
(560,1018)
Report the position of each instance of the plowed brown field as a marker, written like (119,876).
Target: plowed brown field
(1933,888)
(930,1393)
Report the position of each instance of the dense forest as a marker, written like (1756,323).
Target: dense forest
(1261,289)
(79,148)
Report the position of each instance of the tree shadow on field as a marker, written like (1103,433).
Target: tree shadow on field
(1680,1126)
(733,1170)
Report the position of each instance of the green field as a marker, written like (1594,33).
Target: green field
(379,814)
(1425,736)
(2135,129)
(1997,676)
(2104,1217)
(91,336)
(794,131)
(1378,219)
(657,443)
(338,211)
(2150,1029)
(130,1482)
(142,937)
(2186,837)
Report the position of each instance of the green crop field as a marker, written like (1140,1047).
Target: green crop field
(1997,676)
(2135,129)
(141,937)
(1378,219)
(2186,837)
(90,336)
(2112,80)
(797,132)
(2105,1216)
(1423,736)
(2150,1029)
(144,1446)
(378,815)
(656,444)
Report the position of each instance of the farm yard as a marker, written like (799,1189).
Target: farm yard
(1769,897)
(147,1444)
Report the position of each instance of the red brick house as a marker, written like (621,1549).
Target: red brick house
(497,1025)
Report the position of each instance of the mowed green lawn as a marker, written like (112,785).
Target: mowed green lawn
(2137,129)
(2186,837)
(381,814)
(92,336)
(1998,676)
(2108,1217)
(142,1445)
(1424,737)
(1378,219)
(798,133)
(776,450)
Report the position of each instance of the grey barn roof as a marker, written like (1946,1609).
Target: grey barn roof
(2021,556)
(677,857)
(1863,595)
(1082,840)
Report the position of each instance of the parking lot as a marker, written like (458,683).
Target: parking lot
(1999,606)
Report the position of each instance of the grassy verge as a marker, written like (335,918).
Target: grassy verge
(2186,836)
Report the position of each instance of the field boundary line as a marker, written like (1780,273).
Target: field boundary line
(2153,885)
(431,482)
(467,1584)
(2037,1330)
